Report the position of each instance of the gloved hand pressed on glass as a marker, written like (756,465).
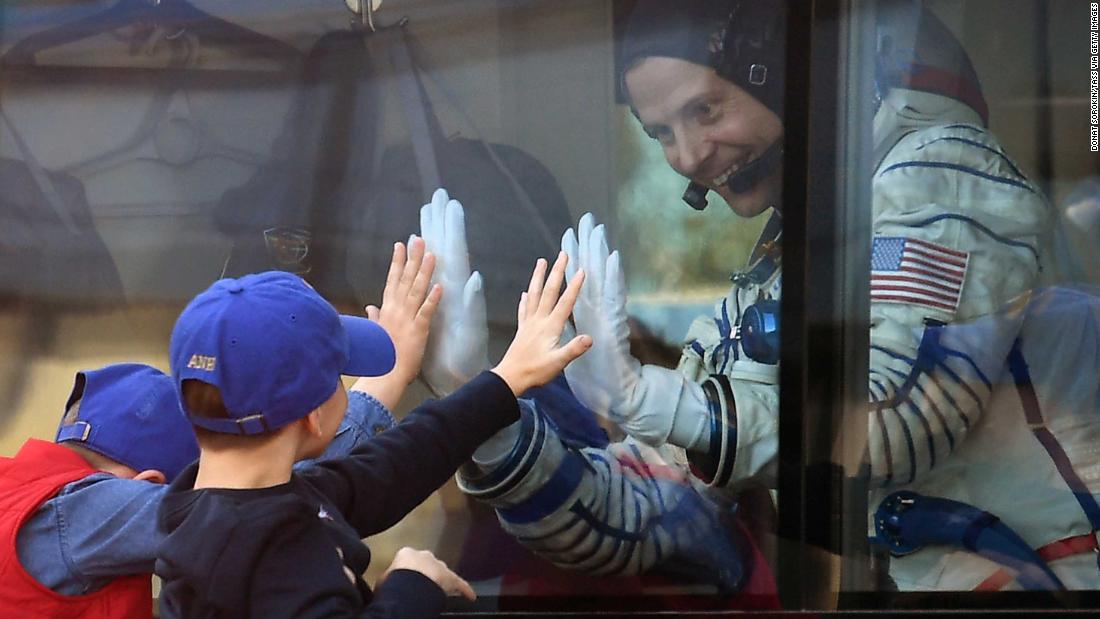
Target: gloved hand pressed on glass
(651,403)
(458,344)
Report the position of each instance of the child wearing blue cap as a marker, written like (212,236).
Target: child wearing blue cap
(257,363)
(77,516)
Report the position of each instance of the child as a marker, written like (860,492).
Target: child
(78,516)
(257,362)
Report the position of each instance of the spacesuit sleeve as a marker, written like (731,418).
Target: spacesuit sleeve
(956,237)
(618,510)
(741,396)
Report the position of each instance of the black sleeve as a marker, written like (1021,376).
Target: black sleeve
(281,588)
(382,480)
(406,593)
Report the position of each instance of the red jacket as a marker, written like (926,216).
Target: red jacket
(28,480)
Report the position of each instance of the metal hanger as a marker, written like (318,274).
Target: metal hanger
(364,13)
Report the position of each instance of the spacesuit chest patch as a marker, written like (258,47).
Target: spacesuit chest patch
(915,272)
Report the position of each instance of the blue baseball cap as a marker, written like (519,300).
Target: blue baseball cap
(273,347)
(129,413)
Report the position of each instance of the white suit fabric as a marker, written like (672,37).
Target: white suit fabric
(1003,466)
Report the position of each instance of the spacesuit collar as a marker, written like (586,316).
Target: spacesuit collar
(767,253)
(908,110)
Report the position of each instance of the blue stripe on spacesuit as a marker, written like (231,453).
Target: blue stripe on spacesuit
(904,398)
(926,353)
(618,535)
(899,395)
(910,446)
(607,504)
(978,402)
(1017,366)
(670,521)
(519,462)
(967,127)
(650,482)
(671,518)
(887,452)
(932,354)
(928,435)
(602,528)
(726,343)
(525,539)
(647,480)
(939,415)
(960,168)
(950,352)
(551,496)
(881,395)
(908,380)
(980,226)
(698,348)
(951,400)
(1062,462)
(935,410)
(995,151)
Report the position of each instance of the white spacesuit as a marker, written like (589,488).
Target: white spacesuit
(947,201)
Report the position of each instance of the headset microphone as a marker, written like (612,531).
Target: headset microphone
(741,181)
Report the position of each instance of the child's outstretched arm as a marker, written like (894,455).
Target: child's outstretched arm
(386,477)
(534,358)
(408,303)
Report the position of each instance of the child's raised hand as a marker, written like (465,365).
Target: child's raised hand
(408,303)
(534,358)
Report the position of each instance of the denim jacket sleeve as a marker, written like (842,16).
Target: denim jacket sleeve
(94,530)
(365,418)
(102,527)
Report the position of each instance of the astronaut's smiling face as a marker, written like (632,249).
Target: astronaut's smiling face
(708,126)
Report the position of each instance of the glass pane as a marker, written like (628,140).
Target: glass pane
(151,148)
(983,326)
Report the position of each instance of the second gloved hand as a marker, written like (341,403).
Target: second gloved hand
(651,403)
(458,344)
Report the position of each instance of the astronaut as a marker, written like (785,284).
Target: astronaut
(957,232)
(557,484)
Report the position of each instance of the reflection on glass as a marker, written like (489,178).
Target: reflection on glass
(982,406)
(147,149)
(684,493)
(185,146)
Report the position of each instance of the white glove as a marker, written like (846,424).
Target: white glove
(458,343)
(653,404)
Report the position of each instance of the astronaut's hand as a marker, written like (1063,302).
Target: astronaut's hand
(605,377)
(458,343)
(651,403)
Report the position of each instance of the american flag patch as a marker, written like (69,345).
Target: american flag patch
(916,272)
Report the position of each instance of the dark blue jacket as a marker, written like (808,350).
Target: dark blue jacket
(293,550)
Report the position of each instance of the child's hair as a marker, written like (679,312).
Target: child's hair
(205,400)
